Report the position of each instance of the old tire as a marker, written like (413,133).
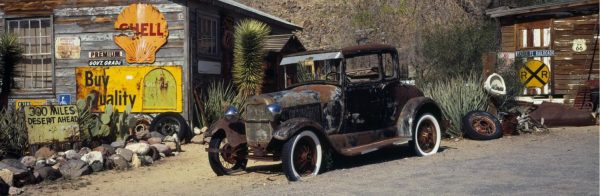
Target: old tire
(427,135)
(223,159)
(480,125)
(302,156)
(171,123)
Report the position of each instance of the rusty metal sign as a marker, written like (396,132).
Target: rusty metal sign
(25,102)
(147,89)
(144,32)
(51,123)
(67,48)
(535,74)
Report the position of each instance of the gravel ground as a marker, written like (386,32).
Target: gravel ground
(562,162)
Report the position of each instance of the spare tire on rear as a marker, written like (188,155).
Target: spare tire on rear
(480,125)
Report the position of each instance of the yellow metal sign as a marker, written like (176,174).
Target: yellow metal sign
(535,74)
(148,89)
(25,102)
(51,123)
(144,32)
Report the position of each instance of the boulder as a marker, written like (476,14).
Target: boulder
(48,173)
(60,154)
(118,162)
(147,160)
(97,166)
(51,161)
(136,162)
(162,148)
(28,161)
(15,191)
(156,134)
(153,152)
(20,174)
(118,144)
(40,163)
(75,168)
(3,188)
(7,176)
(90,157)
(72,154)
(84,151)
(109,148)
(125,153)
(142,134)
(154,140)
(139,148)
(44,153)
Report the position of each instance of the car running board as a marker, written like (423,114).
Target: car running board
(367,148)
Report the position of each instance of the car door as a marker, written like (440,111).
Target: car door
(365,98)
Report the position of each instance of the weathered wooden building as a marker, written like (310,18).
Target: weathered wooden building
(61,36)
(563,35)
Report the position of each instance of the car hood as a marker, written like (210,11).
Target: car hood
(301,95)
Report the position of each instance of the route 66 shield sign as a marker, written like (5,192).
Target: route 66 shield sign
(579,45)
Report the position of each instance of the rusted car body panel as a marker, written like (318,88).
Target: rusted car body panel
(350,118)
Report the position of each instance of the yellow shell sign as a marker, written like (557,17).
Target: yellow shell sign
(147,89)
(147,32)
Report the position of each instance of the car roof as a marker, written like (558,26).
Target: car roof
(337,54)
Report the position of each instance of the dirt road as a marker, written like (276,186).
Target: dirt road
(562,162)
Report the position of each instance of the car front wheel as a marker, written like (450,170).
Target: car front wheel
(427,135)
(225,159)
(302,156)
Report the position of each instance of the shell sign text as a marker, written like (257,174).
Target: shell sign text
(144,32)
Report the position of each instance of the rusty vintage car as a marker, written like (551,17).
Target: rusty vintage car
(350,101)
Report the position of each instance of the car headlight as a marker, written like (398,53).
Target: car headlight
(231,113)
(274,108)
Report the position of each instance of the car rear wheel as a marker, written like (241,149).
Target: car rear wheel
(302,156)
(427,135)
(225,159)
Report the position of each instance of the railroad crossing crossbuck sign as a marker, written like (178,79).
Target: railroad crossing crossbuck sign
(535,74)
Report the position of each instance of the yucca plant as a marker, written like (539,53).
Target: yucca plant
(218,98)
(13,133)
(11,54)
(248,71)
(457,96)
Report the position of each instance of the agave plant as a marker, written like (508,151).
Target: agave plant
(248,71)
(11,54)
(13,133)
(457,96)
(218,98)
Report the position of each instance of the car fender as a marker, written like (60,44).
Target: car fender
(290,127)
(414,107)
(234,131)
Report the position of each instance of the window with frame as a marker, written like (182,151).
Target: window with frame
(208,29)
(35,72)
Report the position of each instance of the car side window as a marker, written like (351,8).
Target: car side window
(388,66)
(363,68)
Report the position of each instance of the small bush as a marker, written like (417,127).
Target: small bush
(457,96)
(218,98)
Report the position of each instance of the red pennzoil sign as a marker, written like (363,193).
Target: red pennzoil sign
(144,32)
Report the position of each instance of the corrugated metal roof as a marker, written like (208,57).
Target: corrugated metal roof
(506,11)
(274,43)
(257,12)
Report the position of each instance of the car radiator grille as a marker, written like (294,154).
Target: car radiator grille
(258,125)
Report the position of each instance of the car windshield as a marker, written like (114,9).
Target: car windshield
(311,70)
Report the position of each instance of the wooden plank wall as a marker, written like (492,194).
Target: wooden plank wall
(93,22)
(571,69)
(508,38)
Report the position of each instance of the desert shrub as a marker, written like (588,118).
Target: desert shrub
(457,96)
(219,96)
(13,133)
(248,55)
(457,50)
(514,88)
